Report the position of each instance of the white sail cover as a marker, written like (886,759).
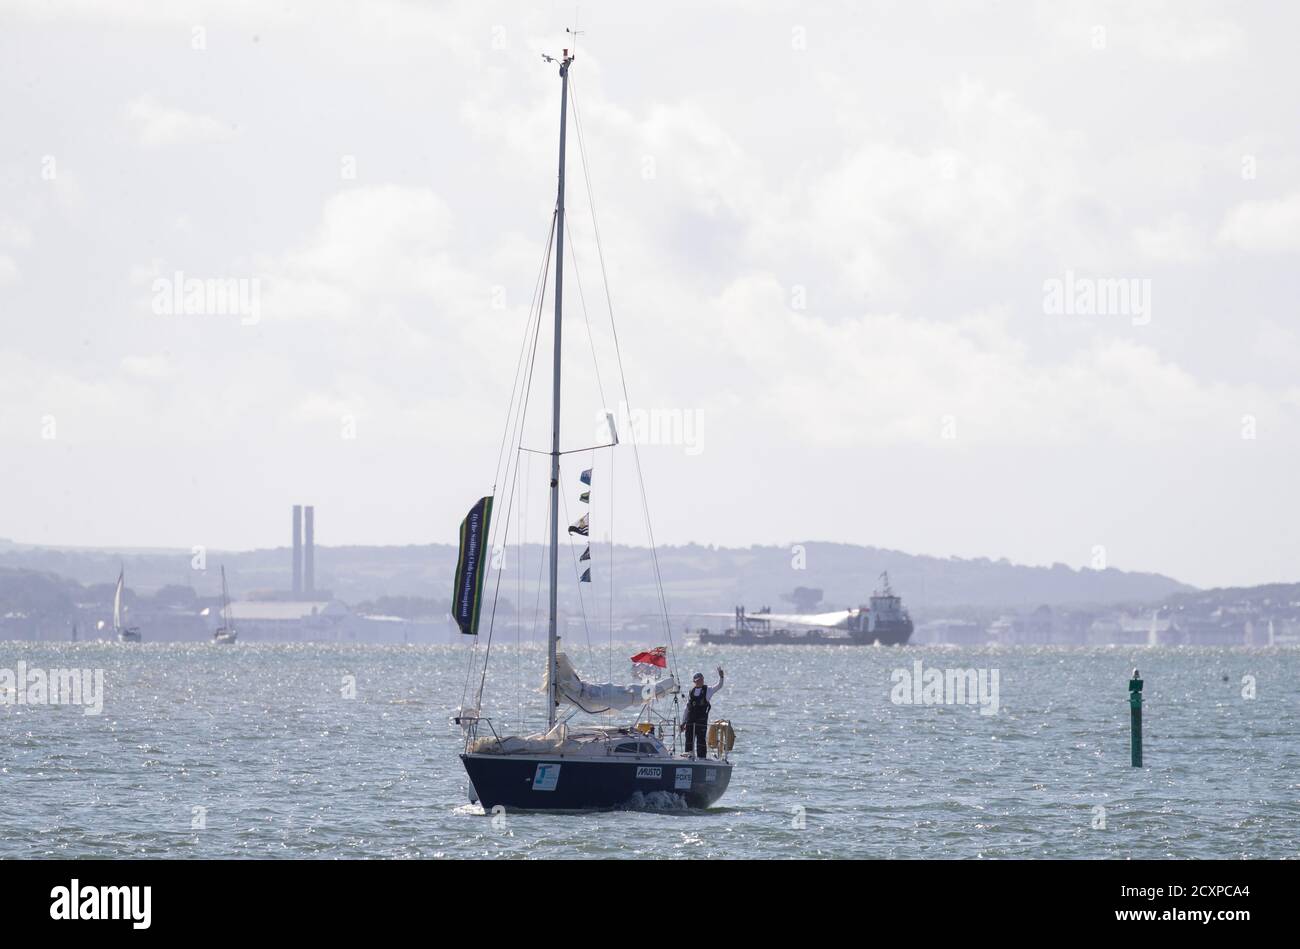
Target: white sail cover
(596,698)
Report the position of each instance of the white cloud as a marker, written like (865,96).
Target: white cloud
(1190,31)
(152,367)
(898,378)
(1175,239)
(158,125)
(1264,227)
(1278,344)
(384,240)
(920,198)
(14,234)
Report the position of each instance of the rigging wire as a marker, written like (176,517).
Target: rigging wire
(541,564)
(514,430)
(582,300)
(539,295)
(537,599)
(519,573)
(636,454)
(532,329)
(521,417)
(577,576)
(609,622)
(600,389)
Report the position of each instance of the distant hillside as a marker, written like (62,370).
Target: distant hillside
(697,578)
(37,593)
(1268,597)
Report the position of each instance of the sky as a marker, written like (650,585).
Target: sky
(963,279)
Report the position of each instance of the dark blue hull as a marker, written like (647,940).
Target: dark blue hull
(568,783)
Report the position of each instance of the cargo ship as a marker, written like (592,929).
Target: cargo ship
(884,620)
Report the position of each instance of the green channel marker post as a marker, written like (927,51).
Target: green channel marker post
(1135,717)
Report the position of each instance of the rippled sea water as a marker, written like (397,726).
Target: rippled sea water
(262,739)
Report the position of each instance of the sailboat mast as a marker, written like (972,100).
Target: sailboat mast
(552,695)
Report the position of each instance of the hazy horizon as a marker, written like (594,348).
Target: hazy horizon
(845,250)
(799,548)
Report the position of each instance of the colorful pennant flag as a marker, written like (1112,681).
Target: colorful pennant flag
(585,497)
(586,576)
(586,476)
(581,527)
(586,554)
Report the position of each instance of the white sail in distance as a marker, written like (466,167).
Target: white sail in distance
(117,602)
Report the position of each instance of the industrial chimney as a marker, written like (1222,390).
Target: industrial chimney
(309,560)
(297,551)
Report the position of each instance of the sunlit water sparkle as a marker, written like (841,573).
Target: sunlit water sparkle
(262,738)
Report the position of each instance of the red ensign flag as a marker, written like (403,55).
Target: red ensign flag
(654,657)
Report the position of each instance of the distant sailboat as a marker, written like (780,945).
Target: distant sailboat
(1153,632)
(125,634)
(226,632)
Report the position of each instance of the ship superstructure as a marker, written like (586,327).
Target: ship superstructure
(884,620)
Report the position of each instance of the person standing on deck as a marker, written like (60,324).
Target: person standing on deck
(696,724)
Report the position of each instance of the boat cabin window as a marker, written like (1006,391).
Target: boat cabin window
(627,748)
(648,749)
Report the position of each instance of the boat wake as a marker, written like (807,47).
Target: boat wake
(655,801)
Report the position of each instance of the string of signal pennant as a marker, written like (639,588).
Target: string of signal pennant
(582,526)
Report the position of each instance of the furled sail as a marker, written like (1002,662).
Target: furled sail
(596,698)
(471,566)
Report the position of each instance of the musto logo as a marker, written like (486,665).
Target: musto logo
(644,772)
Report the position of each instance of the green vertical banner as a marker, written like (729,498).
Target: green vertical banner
(467,598)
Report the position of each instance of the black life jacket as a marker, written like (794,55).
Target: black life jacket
(697,705)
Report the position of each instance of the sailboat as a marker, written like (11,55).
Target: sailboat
(125,634)
(226,632)
(570,766)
